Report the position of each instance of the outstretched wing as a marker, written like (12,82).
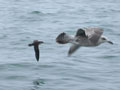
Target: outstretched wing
(63,38)
(31,44)
(36,49)
(94,33)
(80,32)
(73,48)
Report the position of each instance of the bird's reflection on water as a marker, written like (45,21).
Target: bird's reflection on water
(38,83)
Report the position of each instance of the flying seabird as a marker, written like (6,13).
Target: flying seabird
(90,36)
(36,44)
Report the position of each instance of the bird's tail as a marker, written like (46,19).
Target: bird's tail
(63,38)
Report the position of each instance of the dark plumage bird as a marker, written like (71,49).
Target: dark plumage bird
(36,44)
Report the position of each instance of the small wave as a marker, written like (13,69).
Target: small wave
(36,12)
(37,83)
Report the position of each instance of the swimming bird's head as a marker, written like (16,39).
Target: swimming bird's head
(104,39)
(35,42)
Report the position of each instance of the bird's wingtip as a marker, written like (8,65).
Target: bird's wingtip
(30,45)
(37,60)
(69,55)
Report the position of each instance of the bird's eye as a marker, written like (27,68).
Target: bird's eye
(103,39)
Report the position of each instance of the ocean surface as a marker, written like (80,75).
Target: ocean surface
(90,68)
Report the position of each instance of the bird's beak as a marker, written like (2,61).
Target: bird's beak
(110,42)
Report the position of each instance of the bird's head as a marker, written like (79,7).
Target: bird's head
(104,39)
(35,42)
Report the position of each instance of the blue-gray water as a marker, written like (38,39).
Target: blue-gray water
(22,21)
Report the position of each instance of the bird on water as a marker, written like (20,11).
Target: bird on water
(36,44)
(88,37)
